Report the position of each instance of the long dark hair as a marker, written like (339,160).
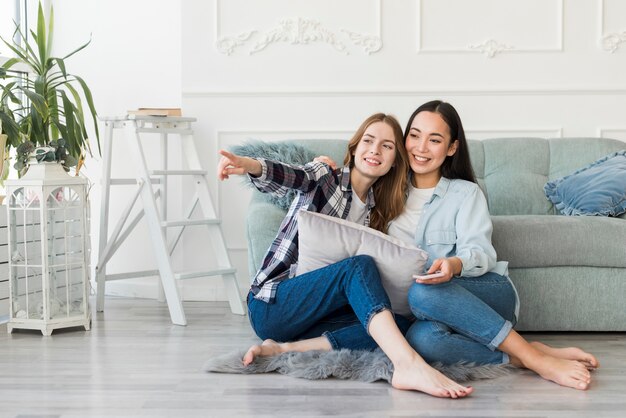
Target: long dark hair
(457,166)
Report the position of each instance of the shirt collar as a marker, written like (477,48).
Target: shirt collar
(442,187)
(440,190)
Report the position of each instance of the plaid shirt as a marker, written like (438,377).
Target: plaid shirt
(320,190)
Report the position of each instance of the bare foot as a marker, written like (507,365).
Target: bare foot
(266,349)
(569,373)
(568,353)
(418,375)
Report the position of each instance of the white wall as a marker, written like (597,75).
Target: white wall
(134,60)
(548,73)
(557,78)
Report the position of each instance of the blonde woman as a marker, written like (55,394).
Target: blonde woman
(369,190)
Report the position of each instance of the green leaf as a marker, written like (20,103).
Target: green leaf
(78,49)
(50,29)
(41,36)
(92,108)
(10,63)
(25,148)
(37,101)
(61,65)
(73,141)
(10,128)
(70,161)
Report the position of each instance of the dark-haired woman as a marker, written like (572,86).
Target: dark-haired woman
(468,311)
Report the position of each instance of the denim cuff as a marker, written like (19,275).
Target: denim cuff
(375,310)
(505,358)
(331,339)
(504,332)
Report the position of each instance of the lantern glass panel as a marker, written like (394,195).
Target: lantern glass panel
(25,197)
(27,240)
(66,291)
(27,293)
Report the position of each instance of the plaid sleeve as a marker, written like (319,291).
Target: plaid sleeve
(278,178)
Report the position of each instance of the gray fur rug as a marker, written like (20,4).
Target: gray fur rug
(366,366)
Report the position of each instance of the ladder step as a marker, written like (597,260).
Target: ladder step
(189,222)
(204,273)
(178,172)
(122,181)
(131,275)
(161,130)
(178,276)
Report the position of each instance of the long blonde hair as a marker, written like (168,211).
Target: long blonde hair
(390,189)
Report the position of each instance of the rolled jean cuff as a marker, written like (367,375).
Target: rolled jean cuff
(504,332)
(505,358)
(376,309)
(331,339)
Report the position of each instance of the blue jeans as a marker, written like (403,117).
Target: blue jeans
(337,301)
(465,319)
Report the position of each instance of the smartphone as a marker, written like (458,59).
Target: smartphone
(428,276)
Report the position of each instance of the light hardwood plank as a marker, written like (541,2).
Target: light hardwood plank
(135,363)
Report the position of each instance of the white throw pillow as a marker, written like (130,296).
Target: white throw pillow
(325,240)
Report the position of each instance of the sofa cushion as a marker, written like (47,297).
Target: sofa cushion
(596,189)
(570,154)
(550,241)
(325,240)
(514,171)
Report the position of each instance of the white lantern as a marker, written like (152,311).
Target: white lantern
(48,250)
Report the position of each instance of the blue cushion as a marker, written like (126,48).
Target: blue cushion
(597,189)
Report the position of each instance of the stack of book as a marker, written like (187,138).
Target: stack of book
(156,111)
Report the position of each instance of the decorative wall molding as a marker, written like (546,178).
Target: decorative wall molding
(615,133)
(610,42)
(411,92)
(483,133)
(367,42)
(492,47)
(227,45)
(298,31)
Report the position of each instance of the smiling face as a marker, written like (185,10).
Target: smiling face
(428,143)
(376,151)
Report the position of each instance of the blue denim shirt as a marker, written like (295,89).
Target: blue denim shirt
(456,222)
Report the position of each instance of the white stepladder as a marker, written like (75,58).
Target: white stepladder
(150,186)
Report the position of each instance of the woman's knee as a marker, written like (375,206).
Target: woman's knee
(364,261)
(423,299)
(363,267)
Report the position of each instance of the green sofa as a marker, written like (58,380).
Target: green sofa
(570,271)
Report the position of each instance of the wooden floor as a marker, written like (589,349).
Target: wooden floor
(135,363)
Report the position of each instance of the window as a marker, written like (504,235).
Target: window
(9,10)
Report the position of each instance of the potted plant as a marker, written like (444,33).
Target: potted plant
(42,110)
